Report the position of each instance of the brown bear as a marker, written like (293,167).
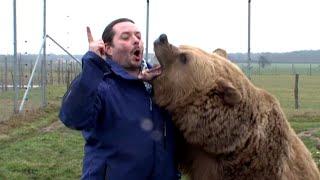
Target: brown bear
(233,130)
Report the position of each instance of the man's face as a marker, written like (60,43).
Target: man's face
(127,47)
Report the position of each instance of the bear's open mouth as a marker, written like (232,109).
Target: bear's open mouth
(160,62)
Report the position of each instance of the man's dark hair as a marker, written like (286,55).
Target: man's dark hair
(109,33)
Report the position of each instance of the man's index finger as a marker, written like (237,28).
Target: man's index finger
(90,38)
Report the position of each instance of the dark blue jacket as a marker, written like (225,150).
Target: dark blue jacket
(127,135)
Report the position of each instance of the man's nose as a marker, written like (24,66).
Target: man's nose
(136,40)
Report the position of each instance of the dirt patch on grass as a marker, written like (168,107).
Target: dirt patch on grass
(24,118)
(52,127)
(302,113)
(310,134)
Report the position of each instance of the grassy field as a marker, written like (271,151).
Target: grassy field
(35,145)
(54,94)
(39,147)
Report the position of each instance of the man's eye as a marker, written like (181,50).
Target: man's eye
(125,36)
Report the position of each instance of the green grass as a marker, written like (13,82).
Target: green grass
(35,145)
(41,148)
(53,155)
(282,87)
(29,151)
(304,123)
(310,143)
(54,95)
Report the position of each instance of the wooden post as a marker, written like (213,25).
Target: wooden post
(71,71)
(68,67)
(310,70)
(25,74)
(62,74)
(2,77)
(296,92)
(65,71)
(292,69)
(6,74)
(51,72)
(59,69)
(31,66)
(19,72)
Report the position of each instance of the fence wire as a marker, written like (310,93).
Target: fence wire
(60,72)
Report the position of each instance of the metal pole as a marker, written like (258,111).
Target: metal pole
(44,63)
(147,32)
(64,49)
(15,60)
(25,96)
(249,53)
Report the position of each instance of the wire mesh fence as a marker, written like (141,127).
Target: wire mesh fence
(282,68)
(62,69)
(60,72)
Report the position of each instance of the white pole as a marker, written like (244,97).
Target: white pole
(31,77)
(147,32)
(15,59)
(249,32)
(44,62)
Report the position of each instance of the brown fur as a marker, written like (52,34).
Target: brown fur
(233,129)
(220,52)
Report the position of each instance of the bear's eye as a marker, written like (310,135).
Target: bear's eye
(183,58)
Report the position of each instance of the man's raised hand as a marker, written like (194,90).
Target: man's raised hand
(97,47)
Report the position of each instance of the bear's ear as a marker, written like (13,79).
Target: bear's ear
(227,92)
(221,52)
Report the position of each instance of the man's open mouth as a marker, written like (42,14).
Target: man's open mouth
(137,52)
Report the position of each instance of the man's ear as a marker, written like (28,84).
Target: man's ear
(108,50)
(227,92)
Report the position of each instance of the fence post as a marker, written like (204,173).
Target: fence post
(20,74)
(59,69)
(65,71)
(310,70)
(293,69)
(31,65)
(296,92)
(68,67)
(6,73)
(2,77)
(51,72)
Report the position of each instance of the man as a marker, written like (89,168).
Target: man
(127,136)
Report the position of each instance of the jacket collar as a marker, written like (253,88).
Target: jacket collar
(118,70)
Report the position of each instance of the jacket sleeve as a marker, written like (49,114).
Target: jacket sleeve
(81,104)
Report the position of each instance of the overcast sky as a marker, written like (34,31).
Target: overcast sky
(276,25)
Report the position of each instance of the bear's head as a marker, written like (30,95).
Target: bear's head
(188,72)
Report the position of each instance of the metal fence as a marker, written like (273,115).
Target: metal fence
(282,69)
(60,72)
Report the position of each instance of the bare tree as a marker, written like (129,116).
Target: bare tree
(263,61)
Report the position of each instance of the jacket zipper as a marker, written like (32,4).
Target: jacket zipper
(164,125)
(150,106)
(164,133)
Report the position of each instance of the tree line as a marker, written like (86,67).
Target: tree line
(303,56)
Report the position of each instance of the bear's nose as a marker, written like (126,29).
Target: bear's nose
(163,38)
